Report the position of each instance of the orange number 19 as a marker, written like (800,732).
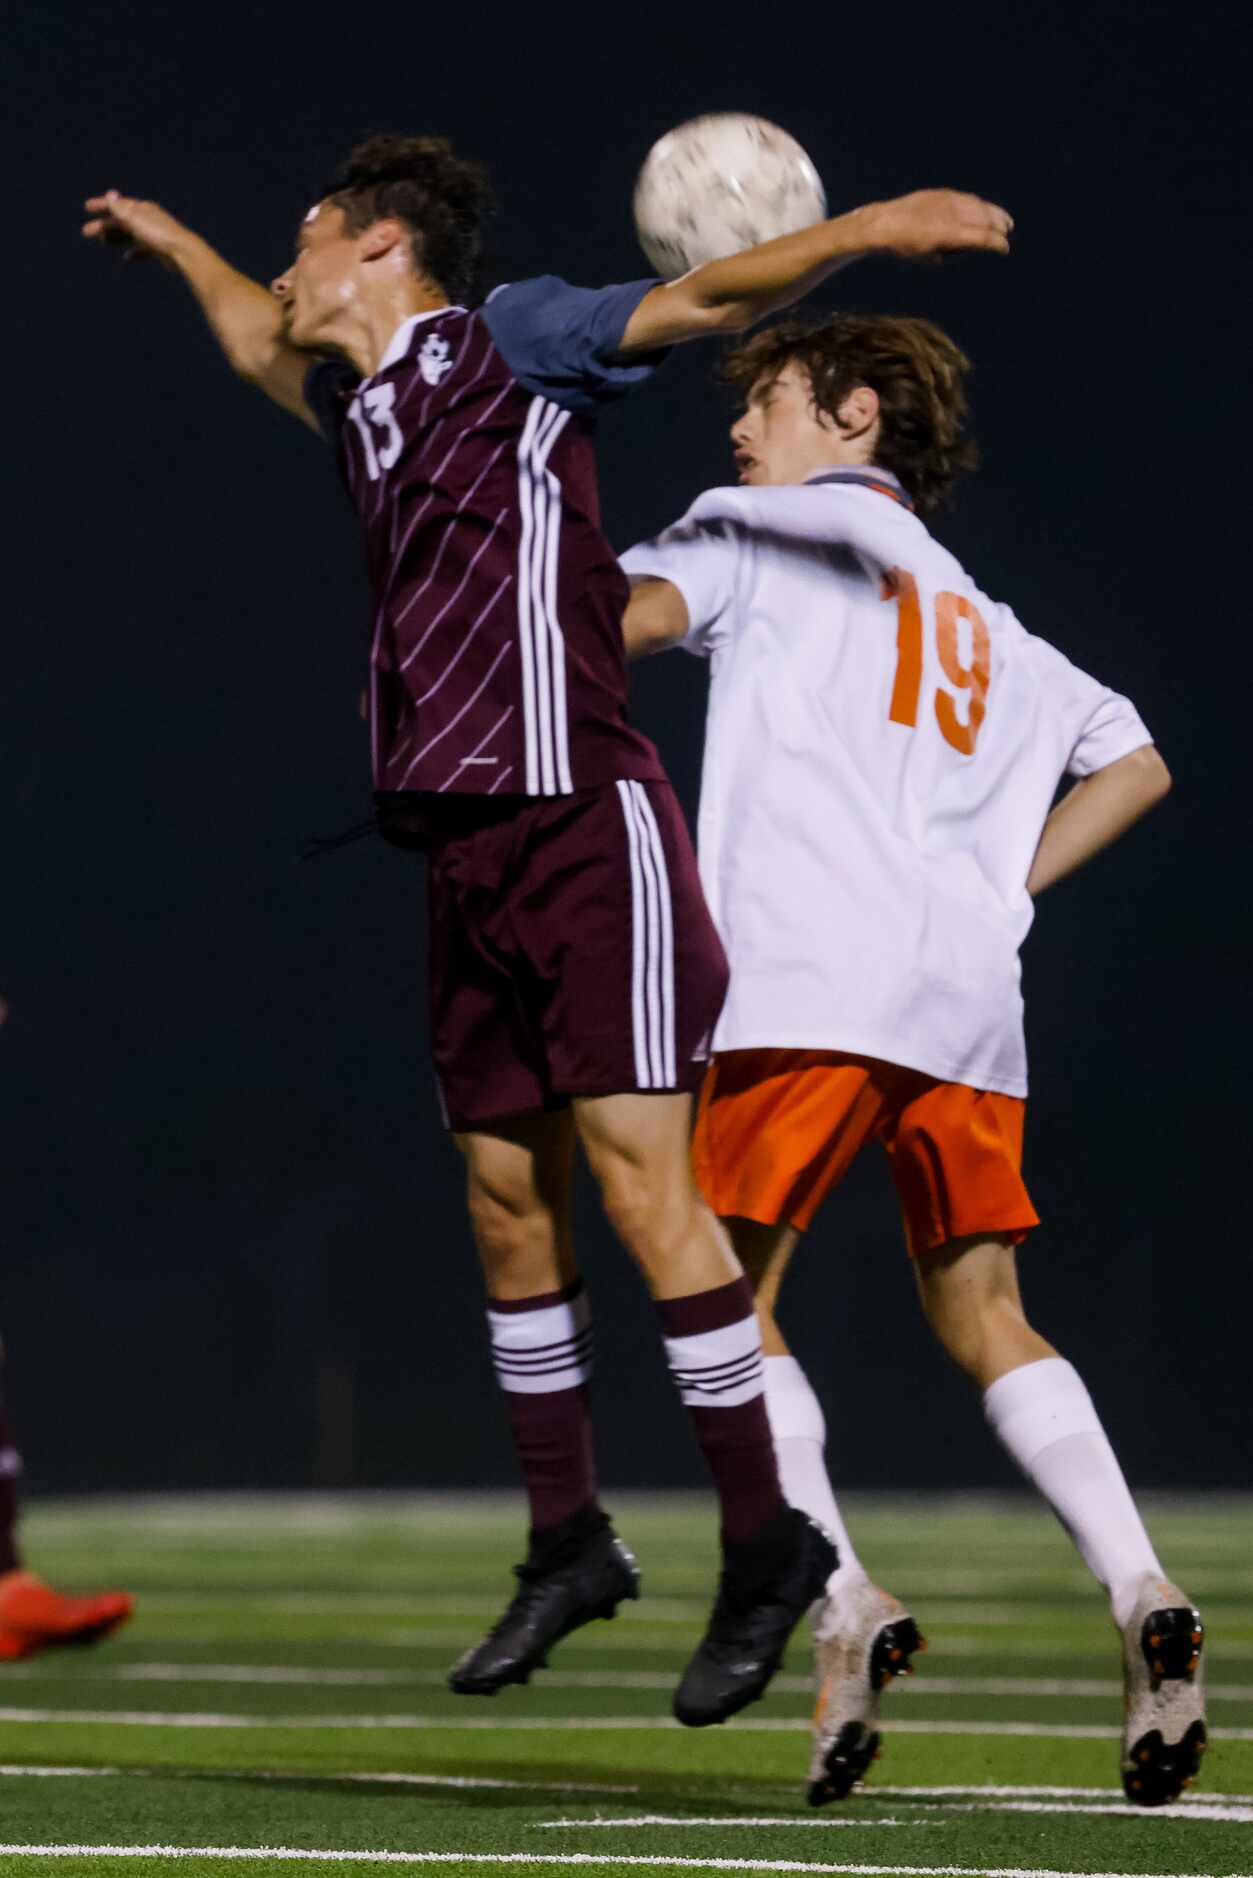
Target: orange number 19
(949,608)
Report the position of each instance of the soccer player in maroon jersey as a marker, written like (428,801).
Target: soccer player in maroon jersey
(575,973)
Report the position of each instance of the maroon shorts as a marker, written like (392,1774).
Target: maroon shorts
(571,952)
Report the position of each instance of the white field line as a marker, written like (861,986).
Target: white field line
(1112,1794)
(264,1676)
(946,1644)
(77,1773)
(1192,1810)
(17,1772)
(1195,1803)
(474,1780)
(674,1610)
(1029,1581)
(837,1820)
(164,1718)
(286,1854)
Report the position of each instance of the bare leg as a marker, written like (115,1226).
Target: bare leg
(518,1189)
(638,1149)
(765,1253)
(970,1295)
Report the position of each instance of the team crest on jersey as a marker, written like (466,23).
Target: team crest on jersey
(434,359)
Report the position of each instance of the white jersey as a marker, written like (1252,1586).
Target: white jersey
(883,746)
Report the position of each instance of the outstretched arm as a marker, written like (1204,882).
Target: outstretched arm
(245,318)
(730,295)
(1095,812)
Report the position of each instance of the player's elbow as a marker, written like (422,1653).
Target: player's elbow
(655,617)
(643,634)
(1155,779)
(705,312)
(738,315)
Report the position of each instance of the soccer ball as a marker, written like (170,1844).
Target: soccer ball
(721,183)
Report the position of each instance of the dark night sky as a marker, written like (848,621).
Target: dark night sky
(233,1249)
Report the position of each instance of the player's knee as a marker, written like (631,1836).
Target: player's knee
(507,1217)
(975,1329)
(646,1213)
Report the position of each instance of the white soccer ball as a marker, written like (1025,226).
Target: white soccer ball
(721,183)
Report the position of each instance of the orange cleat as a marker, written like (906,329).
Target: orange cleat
(34,1617)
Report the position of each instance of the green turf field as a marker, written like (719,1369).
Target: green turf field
(279,1697)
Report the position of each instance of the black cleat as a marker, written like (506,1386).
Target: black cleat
(765,1589)
(1163,1696)
(580,1571)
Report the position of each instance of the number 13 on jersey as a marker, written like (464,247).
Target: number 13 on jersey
(900,585)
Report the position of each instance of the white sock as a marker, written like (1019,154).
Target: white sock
(800,1436)
(1043,1416)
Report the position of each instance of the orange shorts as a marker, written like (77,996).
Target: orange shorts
(777,1129)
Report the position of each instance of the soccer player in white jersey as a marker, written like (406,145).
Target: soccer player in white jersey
(883,749)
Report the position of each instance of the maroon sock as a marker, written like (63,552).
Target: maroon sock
(542,1349)
(10,1468)
(713,1347)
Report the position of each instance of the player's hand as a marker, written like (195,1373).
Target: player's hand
(138,228)
(938,221)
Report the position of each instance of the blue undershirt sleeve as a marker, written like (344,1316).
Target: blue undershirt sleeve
(561,342)
(325,384)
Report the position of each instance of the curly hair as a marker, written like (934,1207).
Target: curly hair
(918,372)
(443,200)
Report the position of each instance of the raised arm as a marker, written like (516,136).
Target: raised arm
(1095,812)
(245,318)
(730,295)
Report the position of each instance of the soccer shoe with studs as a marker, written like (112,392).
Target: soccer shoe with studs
(34,1617)
(766,1587)
(862,1640)
(1163,1735)
(585,1575)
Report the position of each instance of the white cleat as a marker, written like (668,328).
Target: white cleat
(862,1639)
(1163,1735)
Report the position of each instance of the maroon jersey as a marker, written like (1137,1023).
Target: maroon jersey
(496,655)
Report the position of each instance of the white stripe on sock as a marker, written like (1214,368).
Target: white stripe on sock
(537,1352)
(717,1368)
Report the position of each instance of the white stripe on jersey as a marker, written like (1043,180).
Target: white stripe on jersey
(543,648)
(561,731)
(524,600)
(652,943)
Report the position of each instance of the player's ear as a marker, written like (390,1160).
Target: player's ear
(382,238)
(859,411)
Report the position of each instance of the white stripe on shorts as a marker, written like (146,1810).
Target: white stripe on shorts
(652,943)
